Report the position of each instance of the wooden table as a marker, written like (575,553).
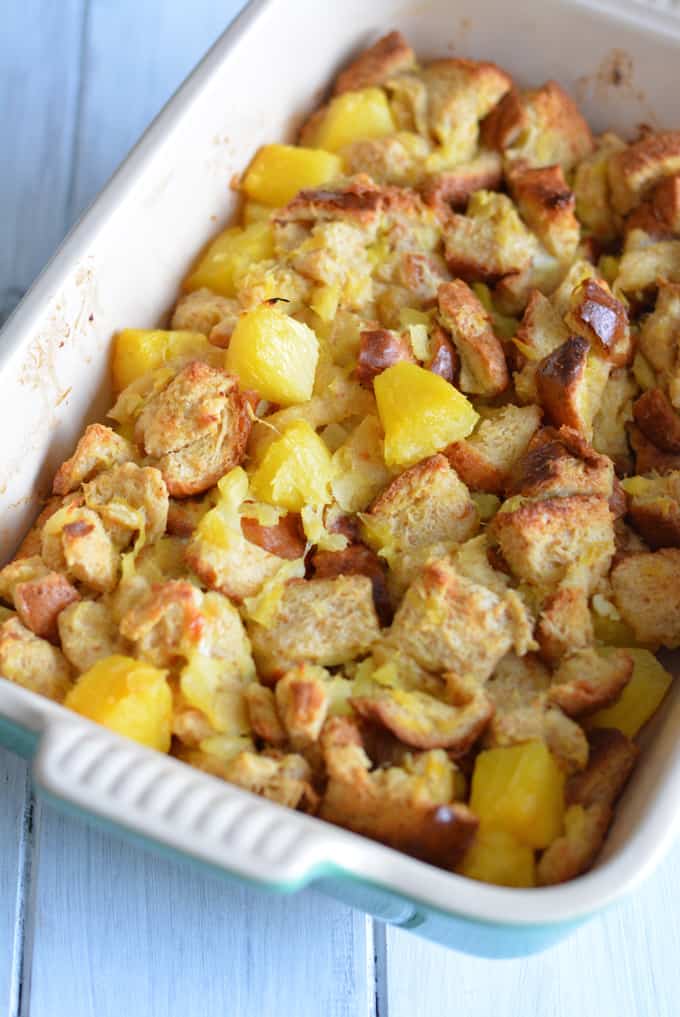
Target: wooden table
(90,927)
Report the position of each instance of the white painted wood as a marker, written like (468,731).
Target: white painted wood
(623,963)
(119,931)
(39,75)
(15,841)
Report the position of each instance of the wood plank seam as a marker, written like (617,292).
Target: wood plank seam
(24,906)
(381,1004)
(70,209)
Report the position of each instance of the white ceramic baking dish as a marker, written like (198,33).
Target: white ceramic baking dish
(121,266)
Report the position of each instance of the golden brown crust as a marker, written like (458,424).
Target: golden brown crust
(666,203)
(635,170)
(601,319)
(164,626)
(389,55)
(263,715)
(565,623)
(32,662)
(452,189)
(380,348)
(612,758)
(32,542)
(88,633)
(576,850)
(647,593)
(99,449)
(483,369)
(657,420)
(285,539)
(655,511)
(75,543)
(548,205)
(302,703)
(585,682)
(357,560)
(649,458)
(558,463)
(486,460)
(360,202)
(196,429)
(423,722)
(38,603)
(561,383)
(444,360)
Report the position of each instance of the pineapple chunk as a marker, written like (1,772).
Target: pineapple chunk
(641,697)
(278,172)
(229,256)
(519,790)
(136,351)
(495,856)
(354,116)
(274,354)
(420,412)
(296,470)
(127,696)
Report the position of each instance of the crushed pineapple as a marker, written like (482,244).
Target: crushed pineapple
(274,354)
(127,696)
(354,116)
(641,697)
(230,256)
(295,471)
(278,172)
(520,790)
(420,413)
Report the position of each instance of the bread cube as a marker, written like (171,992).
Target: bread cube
(420,413)
(274,354)
(647,595)
(484,461)
(390,55)
(127,696)
(519,790)
(483,370)
(634,170)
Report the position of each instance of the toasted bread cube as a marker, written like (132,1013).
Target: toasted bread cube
(485,460)
(560,463)
(541,540)
(420,413)
(540,127)
(641,268)
(602,320)
(612,758)
(610,436)
(390,55)
(460,93)
(641,697)
(39,602)
(274,354)
(570,382)
(649,458)
(195,429)
(483,370)
(541,331)
(295,470)
(490,242)
(585,681)
(99,449)
(320,621)
(449,623)
(207,312)
(229,256)
(657,420)
(577,848)
(520,790)
(635,170)
(137,351)
(393,159)
(75,543)
(658,341)
(647,595)
(654,508)
(32,662)
(565,623)
(277,172)
(352,116)
(495,856)
(453,188)
(426,504)
(127,696)
(87,633)
(380,348)
(592,190)
(547,204)
(302,702)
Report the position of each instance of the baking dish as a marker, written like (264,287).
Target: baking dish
(122,266)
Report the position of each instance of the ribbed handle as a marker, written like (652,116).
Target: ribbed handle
(159,798)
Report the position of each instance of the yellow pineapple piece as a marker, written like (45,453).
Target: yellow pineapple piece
(519,789)
(641,697)
(274,354)
(139,350)
(420,412)
(359,471)
(354,116)
(127,696)
(253,211)
(296,470)
(278,172)
(229,256)
(495,856)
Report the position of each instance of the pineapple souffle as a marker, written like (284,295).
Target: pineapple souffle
(386,525)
